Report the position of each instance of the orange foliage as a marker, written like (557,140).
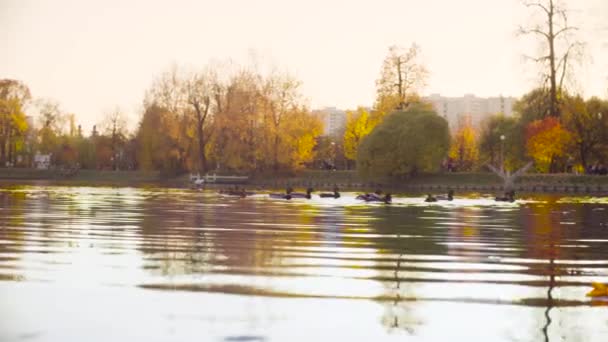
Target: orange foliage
(547,140)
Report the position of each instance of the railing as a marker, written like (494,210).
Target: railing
(214,178)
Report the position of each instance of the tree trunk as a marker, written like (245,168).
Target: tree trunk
(275,165)
(201,146)
(553,105)
(2,152)
(400,84)
(583,154)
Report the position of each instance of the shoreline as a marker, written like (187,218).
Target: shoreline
(322,180)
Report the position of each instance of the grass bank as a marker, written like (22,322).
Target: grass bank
(319,180)
(81,178)
(483,181)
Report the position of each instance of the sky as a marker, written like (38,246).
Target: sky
(92,56)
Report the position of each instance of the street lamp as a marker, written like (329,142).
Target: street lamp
(502,148)
(333,145)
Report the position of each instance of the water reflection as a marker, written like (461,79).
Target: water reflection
(528,263)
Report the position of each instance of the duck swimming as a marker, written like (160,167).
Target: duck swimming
(449,197)
(335,194)
(306,195)
(375,197)
(509,196)
(236,192)
(286,195)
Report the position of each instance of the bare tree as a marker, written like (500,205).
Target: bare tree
(115,126)
(560,49)
(279,96)
(400,77)
(199,89)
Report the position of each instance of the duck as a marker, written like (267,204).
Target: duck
(237,192)
(509,196)
(449,197)
(370,196)
(599,290)
(335,194)
(306,195)
(285,196)
(430,198)
(375,197)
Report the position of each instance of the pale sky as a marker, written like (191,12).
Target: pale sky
(92,56)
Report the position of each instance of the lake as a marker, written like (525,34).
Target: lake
(152,264)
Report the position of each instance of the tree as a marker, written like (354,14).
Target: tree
(464,149)
(157,146)
(301,131)
(512,147)
(52,120)
(14,95)
(560,48)
(279,96)
(114,126)
(585,121)
(534,105)
(358,125)
(400,77)
(167,95)
(547,141)
(200,89)
(405,143)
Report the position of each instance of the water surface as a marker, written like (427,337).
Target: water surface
(101,264)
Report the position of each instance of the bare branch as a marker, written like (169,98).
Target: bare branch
(537,4)
(536,30)
(537,59)
(567,28)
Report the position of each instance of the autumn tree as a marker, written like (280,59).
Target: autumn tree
(157,146)
(510,150)
(464,148)
(279,96)
(202,93)
(14,95)
(238,126)
(546,142)
(52,125)
(359,124)
(237,119)
(167,96)
(401,77)
(586,120)
(301,130)
(559,48)
(404,144)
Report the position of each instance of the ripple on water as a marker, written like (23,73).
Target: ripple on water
(473,250)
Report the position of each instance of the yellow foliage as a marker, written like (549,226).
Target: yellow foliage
(464,148)
(358,124)
(549,141)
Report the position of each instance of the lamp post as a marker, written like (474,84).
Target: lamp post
(502,148)
(333,162)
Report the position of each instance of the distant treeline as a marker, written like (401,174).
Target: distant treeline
(236,119)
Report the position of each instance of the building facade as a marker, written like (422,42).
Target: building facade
(334,121)
(469,107)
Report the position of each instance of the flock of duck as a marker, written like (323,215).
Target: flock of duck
(599,292)
(377,196)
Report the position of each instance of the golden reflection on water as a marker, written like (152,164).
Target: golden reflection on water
(412,258)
